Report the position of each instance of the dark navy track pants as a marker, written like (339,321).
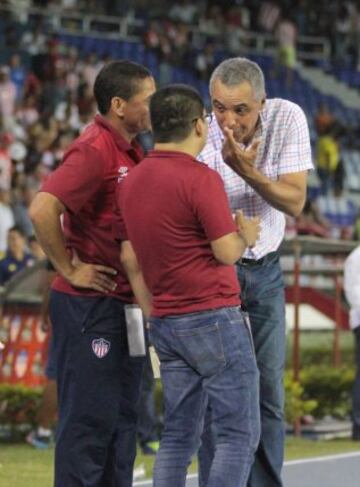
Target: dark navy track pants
(98,390)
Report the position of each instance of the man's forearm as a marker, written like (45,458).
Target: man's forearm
(283,196)
(141,292)
(51,240)
(46,220)
(136,279)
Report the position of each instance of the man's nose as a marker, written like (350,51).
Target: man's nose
(229,118)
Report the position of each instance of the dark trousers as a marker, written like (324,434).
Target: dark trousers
(98,390)
(356,388)
(262,296)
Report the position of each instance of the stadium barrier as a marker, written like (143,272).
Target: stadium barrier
(23,358)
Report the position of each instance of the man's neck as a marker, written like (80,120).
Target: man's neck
(119,127)
(186,147)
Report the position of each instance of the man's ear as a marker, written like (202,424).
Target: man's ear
(118,105)
(199,127)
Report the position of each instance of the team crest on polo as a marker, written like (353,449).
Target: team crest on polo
(100,347)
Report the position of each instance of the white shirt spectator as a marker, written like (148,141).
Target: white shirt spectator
(34,42)
(6,222)
(184,11)
(352,286)
(285,148)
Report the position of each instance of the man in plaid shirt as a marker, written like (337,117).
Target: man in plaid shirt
(261,148)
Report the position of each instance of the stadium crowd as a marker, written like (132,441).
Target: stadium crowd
(46,102)
(46,94)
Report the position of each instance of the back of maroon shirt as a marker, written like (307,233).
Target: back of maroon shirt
(172,207)
(85,183)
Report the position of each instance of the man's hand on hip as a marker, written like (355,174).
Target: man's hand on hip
(91,276)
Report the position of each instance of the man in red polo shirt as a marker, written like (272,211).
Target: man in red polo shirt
(186,246)
(98,383)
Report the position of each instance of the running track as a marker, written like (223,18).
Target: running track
(330,471)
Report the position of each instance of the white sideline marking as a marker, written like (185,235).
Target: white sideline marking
(289,463)
(327,458)
(148,481)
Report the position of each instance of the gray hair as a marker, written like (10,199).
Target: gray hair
(237,70)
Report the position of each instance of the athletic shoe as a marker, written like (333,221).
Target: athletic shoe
(40,442)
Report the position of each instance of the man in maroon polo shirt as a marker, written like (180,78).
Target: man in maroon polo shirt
(98,383)
(186,246)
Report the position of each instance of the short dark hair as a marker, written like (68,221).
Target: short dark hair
(118,78)
(17,229)
(173,110)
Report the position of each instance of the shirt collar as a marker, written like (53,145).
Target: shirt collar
(157,154)
(133,149)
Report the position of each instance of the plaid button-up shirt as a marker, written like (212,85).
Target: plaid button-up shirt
(284,148)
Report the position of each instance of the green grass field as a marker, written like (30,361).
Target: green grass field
(23,466)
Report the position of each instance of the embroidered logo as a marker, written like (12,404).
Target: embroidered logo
(123,172)
(100,347)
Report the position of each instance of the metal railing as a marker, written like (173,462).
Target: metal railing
(299,247)
(308,47)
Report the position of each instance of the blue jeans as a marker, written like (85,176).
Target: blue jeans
(148,422)
(262,295)
(355,415)
(207,356)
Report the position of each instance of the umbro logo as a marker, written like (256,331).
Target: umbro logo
(123,172)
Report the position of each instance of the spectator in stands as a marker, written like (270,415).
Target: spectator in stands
(324,120)
(35,248)
(16,258)
(20,208)
(87,299)
(27,113)
(85,102)
(205,61)
(327,160)
(196,326)
(44,132)
(286,36)
(41,436)
(212,21)
(311,222)
(34,41)
(268,15)
(152,35)
(5,160)
(356,232)
(185,11)
(340,209)
(7,219)
(264,166)
(342,32)
(355,35)
(18,75)
(7,98)
(352,293)
(90,69)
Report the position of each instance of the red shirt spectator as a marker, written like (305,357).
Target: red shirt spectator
(98,158)
(175,253)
